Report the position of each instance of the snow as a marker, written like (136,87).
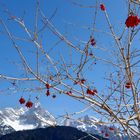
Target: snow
(24,119)
(91,125)
(17,126)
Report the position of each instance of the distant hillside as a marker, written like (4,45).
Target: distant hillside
(51,133)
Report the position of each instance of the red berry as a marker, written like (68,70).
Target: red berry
(89,91)
(83,81)
(128,85)
(132,21)
(76,82)
(92,40)
(111,128)
(47,93)
(69,93)
(106,135)
(47,86)
(22,100)
(91,54)
(54,96)
(102,7)
(29,104)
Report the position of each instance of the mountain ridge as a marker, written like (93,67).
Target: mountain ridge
(52,133)
(20,119)
(23,119)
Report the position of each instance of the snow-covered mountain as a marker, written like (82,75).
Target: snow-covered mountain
(23,119)
(38,117)
(92,125)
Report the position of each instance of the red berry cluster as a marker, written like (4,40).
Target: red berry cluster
(82,81)
(105,132)
(29,104)
(47,93)
(91,92)
(102,7)
(132,21)
(47,85)
(48,89)
(128,85)
(90,54)
(22,100)
(106,135)
(92,41)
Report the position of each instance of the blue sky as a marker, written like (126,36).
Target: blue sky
(68,20)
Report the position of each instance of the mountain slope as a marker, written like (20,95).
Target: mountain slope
(23,119)
(51,133)
(93,126)
(37,117)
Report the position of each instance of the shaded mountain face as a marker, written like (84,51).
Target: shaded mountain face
(23,119)
(5,129)
(92,125)
(51,133)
